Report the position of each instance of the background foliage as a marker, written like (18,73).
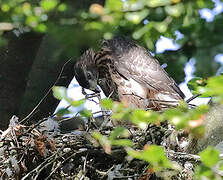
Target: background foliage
(142,20)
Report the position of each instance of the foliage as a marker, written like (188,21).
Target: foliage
(114,139)
(212,87)
(144,21)
(182,117)
(210,158)
(152,154)
(60,93)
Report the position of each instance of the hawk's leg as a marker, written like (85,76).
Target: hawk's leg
(88,96)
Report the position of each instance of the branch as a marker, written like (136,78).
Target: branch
(44,97)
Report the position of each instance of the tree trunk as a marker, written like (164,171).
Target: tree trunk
(16,59)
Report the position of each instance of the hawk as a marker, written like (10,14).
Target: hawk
(127,72)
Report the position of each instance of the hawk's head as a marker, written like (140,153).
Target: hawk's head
(86,71)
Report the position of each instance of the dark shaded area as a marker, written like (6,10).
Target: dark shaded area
(16,59)
(30,65)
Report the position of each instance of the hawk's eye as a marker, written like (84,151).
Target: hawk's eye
(89,75)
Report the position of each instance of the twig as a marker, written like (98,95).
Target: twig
(32,127)
(44,97)
(126,177)
(54,170)
(192,98)
(183,156)
(44,164)
(102,111)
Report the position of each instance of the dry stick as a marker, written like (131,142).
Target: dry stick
(192,98)
(54,170)
(59,76)
(185,156)
(44,164)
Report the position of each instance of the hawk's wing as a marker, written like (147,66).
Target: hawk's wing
(134,61)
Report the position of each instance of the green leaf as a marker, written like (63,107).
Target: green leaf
(94,25)
(203,171)
(86,113)
(137,17)
(214,87)
(48,5)
(195,83)
(161,26)
(152,154)
(59,92)
(114,5)
(220,165)
(41,28)
(75,103)
(119,132)
(157,3)
(175,10)
(142,30)
(62,112)
(62,7)
(177,117)
(106,103)
(121,142)
(205,4)
(32,21)
(5,7)
(103,140)
(209,156)
(142,117)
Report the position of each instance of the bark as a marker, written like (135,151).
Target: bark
(213,135)
(16,60)
(43,75)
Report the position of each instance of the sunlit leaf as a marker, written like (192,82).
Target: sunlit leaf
(32,21)
(137,17)
(107,103)
(62,7)
(210,156)
(140,115)
(157,3)
(75,103)
(59,92)
(195,83)
(203,171)
(175,10)
(41,28)
(140,32)
(5,7)
(94,25)
(121,142)
(103,140)
(114,5)
(152,154)
(62,112)
(161,26)
(48,5)
(214,87)
(86,113)
(119,132)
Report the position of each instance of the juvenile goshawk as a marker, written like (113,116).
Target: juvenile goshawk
(128,73)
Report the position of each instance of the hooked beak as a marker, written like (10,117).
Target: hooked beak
(94,86)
